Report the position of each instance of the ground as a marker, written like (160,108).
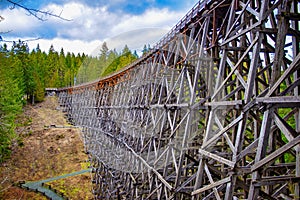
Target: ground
(48,147)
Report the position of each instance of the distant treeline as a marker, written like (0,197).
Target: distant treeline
(25,74)
(107,62)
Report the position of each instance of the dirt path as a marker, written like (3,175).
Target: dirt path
(45,153)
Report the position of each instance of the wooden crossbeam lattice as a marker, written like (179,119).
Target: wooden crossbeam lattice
(213,111)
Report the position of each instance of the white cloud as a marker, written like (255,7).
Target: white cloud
(90,26)
(74,46)
(17,21)
(90,23)
(161,18)
(135,39)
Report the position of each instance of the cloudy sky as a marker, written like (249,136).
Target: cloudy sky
(118,22)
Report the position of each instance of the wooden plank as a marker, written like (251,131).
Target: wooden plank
(231,28)
(212,182)
(253,68)
(261,149)
(224,103)
(217,158)
(225,135)
(243,32)
(279,190)
(276,154)
(286,129)
(185,183)
(276,180)
(284,101)
(293,66)
(249,149)
(237,73)
(215,184)
(249,9)
(210,195)
(220,86)
(285,197)
(221,132)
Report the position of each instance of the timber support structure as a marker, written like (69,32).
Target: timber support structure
(211,112)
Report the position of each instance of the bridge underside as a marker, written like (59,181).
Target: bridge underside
(212,112)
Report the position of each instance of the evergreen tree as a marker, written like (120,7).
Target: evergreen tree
(24,74)
(125,50)
(36,60)
(145,50)
(120,62)
(62,68)
(21,51)
(135,54)
(10,101)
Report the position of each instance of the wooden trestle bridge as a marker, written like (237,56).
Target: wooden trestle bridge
(212,112)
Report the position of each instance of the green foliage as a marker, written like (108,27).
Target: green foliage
(146,49)
(283,112)
(107,62)
(119,62)
(24,75)
(10,102)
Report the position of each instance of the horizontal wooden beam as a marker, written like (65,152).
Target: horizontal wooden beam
(276,154)
(275,180)
(283,101)
(215,184)
(217,158)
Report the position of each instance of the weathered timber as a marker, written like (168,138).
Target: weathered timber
(211,112)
